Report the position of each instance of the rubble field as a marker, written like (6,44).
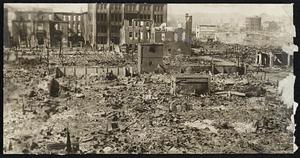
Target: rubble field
(139,115)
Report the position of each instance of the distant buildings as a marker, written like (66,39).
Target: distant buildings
(271,26)
(182,39)
(206,32)
(253,23)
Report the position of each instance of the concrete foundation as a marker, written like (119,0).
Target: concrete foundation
(190,84)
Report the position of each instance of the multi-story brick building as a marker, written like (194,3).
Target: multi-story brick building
(106,19)
(162,34)
(136,31)
(34,28)
(75,30)
(31,28)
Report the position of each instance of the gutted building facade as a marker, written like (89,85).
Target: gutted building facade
(253,23)
(136,31)
(106,19)
(51,29)
(206,33)
(73,27)
(279,58)
(30,28)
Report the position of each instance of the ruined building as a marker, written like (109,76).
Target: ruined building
(74,27)
(106,20)
(6,33)
(182,39)
(269,59)
(46,28)
(253,23)
(162,34)
(136,31)
(31,28)
(206,33)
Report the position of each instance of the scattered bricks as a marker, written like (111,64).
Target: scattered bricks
(111,76)
(79,95)
(108,150)
(25,151)
(114,125)
(56,146)
(33,146)
(32,93)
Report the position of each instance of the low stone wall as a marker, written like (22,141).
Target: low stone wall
(88,70)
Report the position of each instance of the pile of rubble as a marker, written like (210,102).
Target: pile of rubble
(89,58)
(139,115)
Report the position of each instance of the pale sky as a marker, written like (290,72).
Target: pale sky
(173,8)
(246,9)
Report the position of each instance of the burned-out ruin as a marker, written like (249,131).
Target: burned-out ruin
(140,78)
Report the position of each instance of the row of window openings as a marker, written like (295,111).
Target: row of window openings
(139,23)
(118,17)
(113,6)
(64,17)
(75,18)
(59,27)
(114,29)
(113,17)
(70,34)
(42,17)
(131,7)
(136,35)
(158,18)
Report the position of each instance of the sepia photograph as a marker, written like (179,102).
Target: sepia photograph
(148,78)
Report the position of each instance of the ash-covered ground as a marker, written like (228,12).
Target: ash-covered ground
(138,114)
